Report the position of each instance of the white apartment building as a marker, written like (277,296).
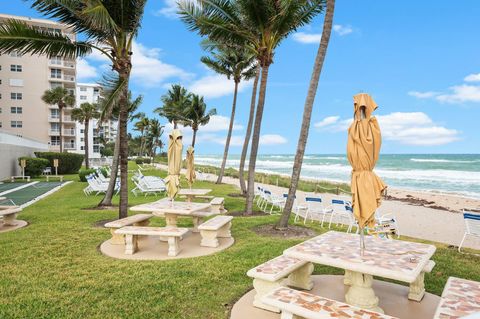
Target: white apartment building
(24,79)
(90,93)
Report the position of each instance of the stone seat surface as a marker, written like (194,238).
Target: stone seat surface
(215,223)
(8,210)
(310,306)
(217,201)
(152,231)
(128,221)
(460,298)
(203,214)
(276,268)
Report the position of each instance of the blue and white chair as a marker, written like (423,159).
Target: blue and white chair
(472,226)
(388,219)
(315,210)
(341,213)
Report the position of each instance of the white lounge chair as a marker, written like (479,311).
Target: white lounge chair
(342,213)
(315,210)
(472,226)
(142,186)
(97,187)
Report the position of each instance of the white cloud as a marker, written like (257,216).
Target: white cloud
(327,121)
(169,10)
(423,95)
(307,38)
(409,128)
(85,71)
(272,139)
(215,85)
(472,78)
(342,30)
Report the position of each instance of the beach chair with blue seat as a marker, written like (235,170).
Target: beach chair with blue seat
(472,226)
(341,214)
(315,209)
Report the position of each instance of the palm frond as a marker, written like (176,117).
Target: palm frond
(113,88)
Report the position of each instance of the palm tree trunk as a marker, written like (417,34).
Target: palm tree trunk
(107,200)
(229,135)
(307,113)
(194,137)
(60,123)
(85,137)
(248,133)
(123,119)
(256,140)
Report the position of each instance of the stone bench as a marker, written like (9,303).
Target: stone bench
(172,234)
(272,274)
(198,218)
(417,288)
(48,177)
(9,215)
(217,205)
(134,220)
(12,179)
(217,227)
(460,298)
(300,304)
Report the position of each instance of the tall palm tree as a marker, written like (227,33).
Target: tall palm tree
(307,113)
(235,63)
(84,114)
(197,115)
(260,25)
(109,27)
(175,102)
(106,115)
(62,98)
(142,125)
(154,137)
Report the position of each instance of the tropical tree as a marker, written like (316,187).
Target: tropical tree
(142,125)
(260,25)
(235,63)
(197,115)
(153,137)
(175,103)
(84,114)
(62,98)
(307,113)
(109,27)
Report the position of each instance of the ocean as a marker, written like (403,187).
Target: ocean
(449,173)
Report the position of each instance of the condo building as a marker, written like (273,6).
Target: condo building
(24,79)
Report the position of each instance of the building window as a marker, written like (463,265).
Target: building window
(83,89)
(96,149)
(83,97)
(56,73)
(0,110)
(16,82)
(82,131)
(55,85)
(16,54)
(56,60)
(0,124)
(55,140)
(16,124)
(82,139)
(16,96)
(16,110)
(82,148)
(15,68)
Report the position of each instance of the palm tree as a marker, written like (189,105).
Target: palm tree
(84,114)
(106,115)
(307,113)
(142,125)
(175,102)
(62,98)
(109,27)
(248,133)
(197,115)
(237,64)
(260,25)
(154,137)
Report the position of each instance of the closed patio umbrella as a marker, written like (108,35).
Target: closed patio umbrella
(190,173)
(363,149)
(174,156)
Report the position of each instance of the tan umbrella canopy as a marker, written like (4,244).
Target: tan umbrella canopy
(363,149)
(174,156)
(190,173)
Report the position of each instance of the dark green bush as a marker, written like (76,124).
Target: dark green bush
(68,163)
(83,172)
(34,166)
(139,160)
(147,160)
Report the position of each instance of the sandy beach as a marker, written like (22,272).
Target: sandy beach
(424,215)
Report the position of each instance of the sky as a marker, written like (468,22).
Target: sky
(420,60)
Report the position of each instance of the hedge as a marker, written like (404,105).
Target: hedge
(68,163)
(34,166)
(143,160)
(82,173)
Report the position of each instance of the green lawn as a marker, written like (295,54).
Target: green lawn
(53,269)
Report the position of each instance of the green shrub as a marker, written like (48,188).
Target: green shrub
(83,172)
(147,160)
(68,163)
(34,166)
(139,160)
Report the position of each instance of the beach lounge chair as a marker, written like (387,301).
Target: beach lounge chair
(341,213)
(142,186)
(472,226)
(97,187)
(388,220)
(315,210)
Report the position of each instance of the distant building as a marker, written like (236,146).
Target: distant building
(107,131)
(24,79)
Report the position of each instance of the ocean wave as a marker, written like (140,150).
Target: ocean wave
(424,160)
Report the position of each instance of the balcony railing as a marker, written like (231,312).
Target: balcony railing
(68,119)
(69,146)
(54,132)
(69,132)
(54,118)
(69,78)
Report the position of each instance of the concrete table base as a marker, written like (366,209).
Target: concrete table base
(151,248)
(393,300)
(18,224)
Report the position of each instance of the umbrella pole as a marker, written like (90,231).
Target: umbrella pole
(362,241)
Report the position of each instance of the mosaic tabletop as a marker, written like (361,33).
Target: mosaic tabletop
(276,268)
(307,304)
(389,258)
(167,207)
(194,191)
(460,298)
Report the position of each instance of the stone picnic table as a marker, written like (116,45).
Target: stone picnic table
(191,193)
(172,210)
(388,258)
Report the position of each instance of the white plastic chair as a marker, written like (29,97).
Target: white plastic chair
(472,226)
(144,187)
(341,213)
(315,210)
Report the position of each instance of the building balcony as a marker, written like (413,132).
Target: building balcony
(54,133)
(54,119)
(69,132)
(69,146)
(68,119)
